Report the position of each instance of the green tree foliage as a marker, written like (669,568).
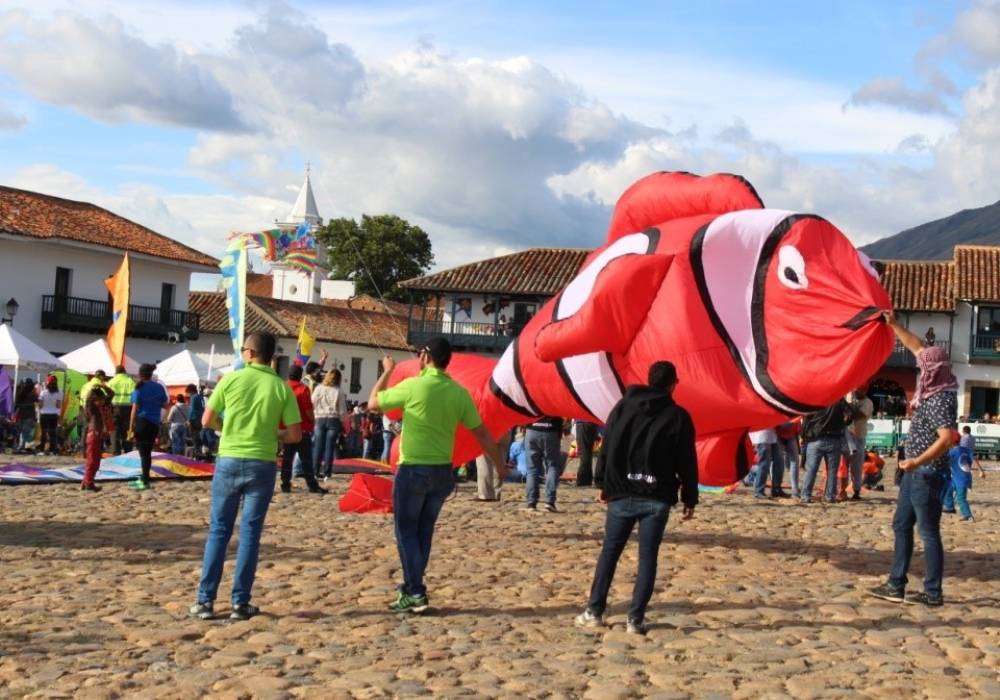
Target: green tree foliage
(384,248)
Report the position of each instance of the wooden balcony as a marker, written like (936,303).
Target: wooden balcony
(94,316)
(463,335)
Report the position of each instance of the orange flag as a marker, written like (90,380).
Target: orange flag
(118,286)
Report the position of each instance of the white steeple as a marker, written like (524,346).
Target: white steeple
(305,208)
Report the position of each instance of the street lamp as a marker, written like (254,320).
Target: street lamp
(11,309)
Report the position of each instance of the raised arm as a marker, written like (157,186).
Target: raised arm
(912,343)
(388,364)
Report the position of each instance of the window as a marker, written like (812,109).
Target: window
(355,375)
(166,302)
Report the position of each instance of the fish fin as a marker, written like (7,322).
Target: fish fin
(612,313)
(662,197)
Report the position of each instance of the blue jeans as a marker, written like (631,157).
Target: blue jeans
(919,503)
(325,445)
(387,436)
(828,448)
(623,514)
(302,449)
(178,435)
(543,453)
(418,494)
(769,463)
(957,494)
(235,480)
(788,452)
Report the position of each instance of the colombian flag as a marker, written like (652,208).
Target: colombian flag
(305,347)
(118,286)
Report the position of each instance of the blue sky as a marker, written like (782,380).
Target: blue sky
(496,126)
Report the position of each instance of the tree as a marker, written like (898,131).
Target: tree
(384,248)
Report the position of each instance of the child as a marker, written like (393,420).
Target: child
(871,471)
(177,419)
(962,461)
(97,399)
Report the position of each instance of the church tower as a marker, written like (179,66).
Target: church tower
(296,285)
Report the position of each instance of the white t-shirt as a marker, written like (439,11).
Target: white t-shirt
(51,402)
(764,437)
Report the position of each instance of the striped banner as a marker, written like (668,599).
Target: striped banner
(234,283)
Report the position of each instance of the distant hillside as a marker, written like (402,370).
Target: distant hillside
(936,240)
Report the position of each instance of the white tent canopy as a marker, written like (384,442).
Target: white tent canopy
(18,351)
(95,356)
(182,369)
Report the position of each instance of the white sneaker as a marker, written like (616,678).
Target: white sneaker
(589,619)
(635,627)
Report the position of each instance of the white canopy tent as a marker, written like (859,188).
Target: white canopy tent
(95,356)
(184,368)
(19,352)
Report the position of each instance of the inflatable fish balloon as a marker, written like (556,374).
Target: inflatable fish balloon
(766,314)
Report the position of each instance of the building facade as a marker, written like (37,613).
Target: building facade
(54,257)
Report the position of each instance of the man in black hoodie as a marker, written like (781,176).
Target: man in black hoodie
(648,454)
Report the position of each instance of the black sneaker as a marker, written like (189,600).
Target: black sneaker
(316,488)
(781,493)
(244,612)
(931,601)
(888,592)
(286,488)
(948,510)
(550,508)
(856,496)
(203,611)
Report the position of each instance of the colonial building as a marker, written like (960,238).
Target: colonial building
(54,257)
(955,304)
(482,306)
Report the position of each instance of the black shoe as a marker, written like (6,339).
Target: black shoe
(583,484)
(286,488)
(931,601)
(780,494)
(316,488)
(888,592)
(243,612)
(90,487)
(856,496)
(761,495)
(947,510)
(880,487)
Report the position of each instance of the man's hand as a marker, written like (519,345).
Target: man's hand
(388,364)
(688,513)
(323,357)
(602,497)
(890,317)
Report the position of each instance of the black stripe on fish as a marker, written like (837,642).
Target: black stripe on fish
(751,188)
(863,318)
(757,313)
(532,406)
(507,401)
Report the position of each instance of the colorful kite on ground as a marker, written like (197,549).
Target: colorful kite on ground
(121,468)
(766,314)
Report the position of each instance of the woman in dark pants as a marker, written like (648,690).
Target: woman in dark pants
(924,472)
(148,400)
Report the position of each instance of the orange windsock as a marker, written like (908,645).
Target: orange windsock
(118,286)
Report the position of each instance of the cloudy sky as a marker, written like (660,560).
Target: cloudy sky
(498,125)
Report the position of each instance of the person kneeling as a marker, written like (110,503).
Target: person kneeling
(648,453)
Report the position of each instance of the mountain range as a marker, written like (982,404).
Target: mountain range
(936,240)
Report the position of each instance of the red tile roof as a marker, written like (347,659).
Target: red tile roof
(916,285)
(366,302)
(259,284)
(24,213)
(978,272)
(538,271)
(326,323)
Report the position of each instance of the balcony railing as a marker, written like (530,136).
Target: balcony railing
(467,334)
(901,357)
(94,316)
(986,346)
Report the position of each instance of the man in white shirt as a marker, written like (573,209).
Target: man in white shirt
(769,463)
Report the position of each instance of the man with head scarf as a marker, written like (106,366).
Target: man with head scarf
(925,470)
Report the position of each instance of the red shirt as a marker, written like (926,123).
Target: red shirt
(304,399)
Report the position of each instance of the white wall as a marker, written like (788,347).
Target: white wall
(28,271)
(340,354)
(294,285)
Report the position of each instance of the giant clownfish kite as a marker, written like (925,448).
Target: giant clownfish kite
(766,314)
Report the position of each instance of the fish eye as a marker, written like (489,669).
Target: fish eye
(792,268)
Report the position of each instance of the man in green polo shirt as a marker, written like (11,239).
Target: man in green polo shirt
(433,406)
(255,400)
(121,407)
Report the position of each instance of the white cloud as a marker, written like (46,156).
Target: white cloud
(103,70)
(9,121)
(895,93)
(977,31)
